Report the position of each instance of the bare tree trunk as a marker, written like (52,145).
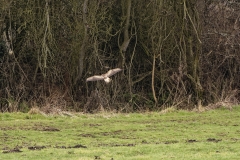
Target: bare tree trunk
(126,40)
(84,43)
(153,75)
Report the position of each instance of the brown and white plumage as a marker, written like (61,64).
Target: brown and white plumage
(105,76)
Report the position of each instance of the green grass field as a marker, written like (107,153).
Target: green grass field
(179,135)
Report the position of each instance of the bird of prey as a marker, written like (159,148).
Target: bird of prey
(105,76)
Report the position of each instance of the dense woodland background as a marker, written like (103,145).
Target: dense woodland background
(182,53)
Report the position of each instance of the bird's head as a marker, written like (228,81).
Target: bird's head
(107,80)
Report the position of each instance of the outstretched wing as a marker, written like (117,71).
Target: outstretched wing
(95,78)
(112,72)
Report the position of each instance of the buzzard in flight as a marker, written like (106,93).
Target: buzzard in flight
(105,76)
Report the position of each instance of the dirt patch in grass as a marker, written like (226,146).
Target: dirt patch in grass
(87,135)
(51,129)
(11,150)
(93,125)
(17,149)
(171,142)
(191,141)
(74,146)
(36,147)
(78,146)
(116,145)
(42,127)
(36,128)
(111,133)
(213,140)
